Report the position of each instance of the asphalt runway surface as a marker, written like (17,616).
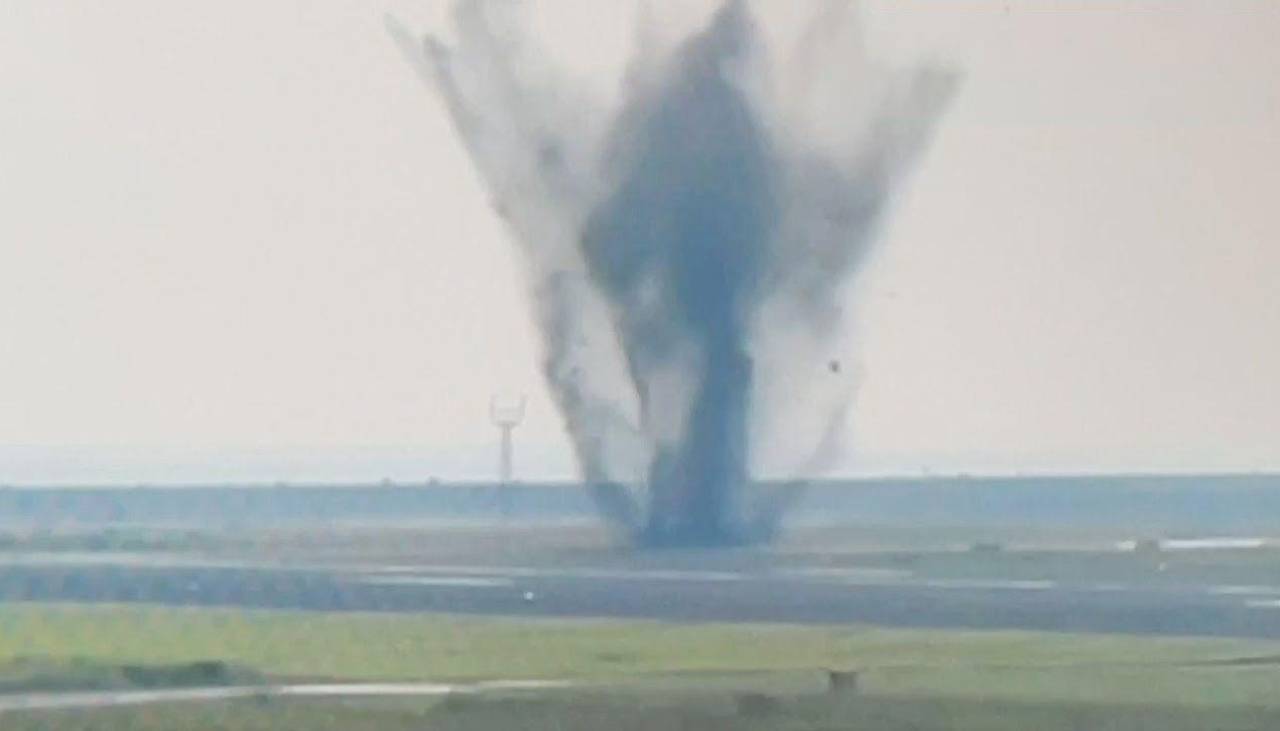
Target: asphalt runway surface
(794,596)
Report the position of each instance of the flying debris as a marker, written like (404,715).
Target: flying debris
(673,239)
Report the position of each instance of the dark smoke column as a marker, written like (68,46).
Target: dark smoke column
(669,238)
(677,248)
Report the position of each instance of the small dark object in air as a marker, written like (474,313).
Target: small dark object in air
(834,366)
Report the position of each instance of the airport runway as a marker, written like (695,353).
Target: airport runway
(794,595)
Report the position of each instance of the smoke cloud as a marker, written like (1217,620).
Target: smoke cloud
(689,249)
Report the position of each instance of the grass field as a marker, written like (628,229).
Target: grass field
(632,712)
(402,647)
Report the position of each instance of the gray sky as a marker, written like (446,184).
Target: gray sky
(247,226)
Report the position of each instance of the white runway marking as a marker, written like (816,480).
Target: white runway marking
(53,701)
(373,689)
(508,573)
(1231,590)
(1036,585)
(1209,544)
(855,573)
(110,699)
(472,582)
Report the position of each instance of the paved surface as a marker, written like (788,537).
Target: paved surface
(108,699)
(795,595)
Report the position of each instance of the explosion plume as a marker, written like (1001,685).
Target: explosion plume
(688,249)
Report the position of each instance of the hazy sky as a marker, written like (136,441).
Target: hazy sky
(248,226)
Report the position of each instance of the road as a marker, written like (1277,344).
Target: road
(109,699)
(795,595)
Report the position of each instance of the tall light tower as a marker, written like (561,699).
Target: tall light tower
(506,414)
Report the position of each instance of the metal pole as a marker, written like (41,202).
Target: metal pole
(504,456)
